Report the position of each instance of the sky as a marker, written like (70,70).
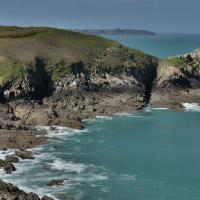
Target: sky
(161,16)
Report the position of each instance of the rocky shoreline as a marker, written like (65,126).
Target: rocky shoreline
(100,77)
(10,192)
(75,98)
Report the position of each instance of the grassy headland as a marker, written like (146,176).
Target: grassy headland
(59,50)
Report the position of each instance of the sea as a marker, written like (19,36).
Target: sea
(152,154)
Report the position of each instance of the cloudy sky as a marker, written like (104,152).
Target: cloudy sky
(156,15)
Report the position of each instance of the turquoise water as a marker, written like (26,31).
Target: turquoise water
(149,155)
(161,45)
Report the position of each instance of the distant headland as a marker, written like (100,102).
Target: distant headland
(116,31)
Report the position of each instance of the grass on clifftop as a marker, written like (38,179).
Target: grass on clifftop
(177,62)
(172,61)
(60,51)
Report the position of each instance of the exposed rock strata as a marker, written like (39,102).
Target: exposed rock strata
(78,96)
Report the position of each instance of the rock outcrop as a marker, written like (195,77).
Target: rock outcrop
(55,182)
(177,82)
(10,192)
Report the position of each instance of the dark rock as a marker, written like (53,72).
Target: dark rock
(11,159)
(23,154)
(32,196)
(46,198)
(9,168)
(55,183)
(11,192)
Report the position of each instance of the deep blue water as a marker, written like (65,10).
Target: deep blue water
(161,45)
(149,155)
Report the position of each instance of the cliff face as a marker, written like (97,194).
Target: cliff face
(177,81)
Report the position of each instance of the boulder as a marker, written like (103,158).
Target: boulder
(12,159)
(24,154)
(7,166)
(46,198)
(55,182)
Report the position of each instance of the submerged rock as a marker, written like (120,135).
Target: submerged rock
(57,182)
(46,198)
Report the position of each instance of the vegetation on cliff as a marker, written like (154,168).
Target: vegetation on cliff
(45,55)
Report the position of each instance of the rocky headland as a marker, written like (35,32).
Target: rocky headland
(54,77)
(116,31)
(177,81)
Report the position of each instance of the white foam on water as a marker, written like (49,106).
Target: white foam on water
(89,120)
(68,167)
(89,178)
(2,172)
(159,108)
(3,154)
(123,114)
(129,115)
(127,177)
(149,108)
(60,132)
(191,107)
(104,117)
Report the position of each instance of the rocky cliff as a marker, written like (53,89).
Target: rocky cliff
(57,77)
(177,81)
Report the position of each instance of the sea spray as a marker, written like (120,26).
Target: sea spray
(192,107)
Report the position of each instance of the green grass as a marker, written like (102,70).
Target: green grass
(9,71)
(16,32)
(61,49)
(176,62)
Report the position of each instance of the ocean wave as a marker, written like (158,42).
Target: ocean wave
(90,178)
(123,114)
(68,167)
(3,154)
(149,109)
(104,117)
(60,132)
(159,108)
(191,107)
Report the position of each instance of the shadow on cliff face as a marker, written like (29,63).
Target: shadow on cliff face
(147,75)
(40,81)
(2,99)
(78,68)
